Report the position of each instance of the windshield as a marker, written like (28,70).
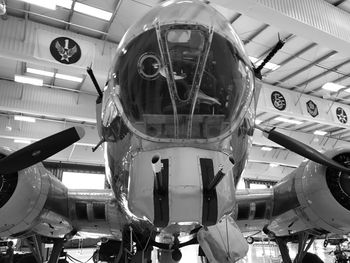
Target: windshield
(182,82)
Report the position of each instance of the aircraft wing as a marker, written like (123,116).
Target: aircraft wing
(253,209)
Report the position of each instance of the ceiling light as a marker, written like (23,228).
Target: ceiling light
(50,4)
(332,86)
(24,118)
(40,72)
(268,65)
(253,59)
(8,128)
(85,144)
(271,66)
(274,164)
(29,80)
(2,8)
(320,133)
(68,77)
(288,120)
(257,121)
(92,11)
(266,149)
(64,3)
(22,141)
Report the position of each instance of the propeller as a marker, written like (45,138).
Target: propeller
(40,150)
(301,149)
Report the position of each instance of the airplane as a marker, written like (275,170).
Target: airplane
(176,119)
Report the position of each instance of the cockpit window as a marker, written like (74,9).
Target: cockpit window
(179,36)
(182,82)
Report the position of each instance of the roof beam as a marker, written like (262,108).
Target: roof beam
(305,68)
(316,18)
(294,56)
(329,70)
(69,20)
(255,34)
(110,22)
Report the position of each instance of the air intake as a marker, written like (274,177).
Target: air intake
(339,182)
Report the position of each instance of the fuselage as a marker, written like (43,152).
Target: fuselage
(179,104)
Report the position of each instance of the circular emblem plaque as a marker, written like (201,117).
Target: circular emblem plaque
(278,101)
(65,50)
(341,115)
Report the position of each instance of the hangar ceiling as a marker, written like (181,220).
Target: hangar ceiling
(316,35)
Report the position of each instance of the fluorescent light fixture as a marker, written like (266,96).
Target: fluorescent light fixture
(50,4)
(320,133)
(332,86)
(29,80)
(92,11)
(24,118)
(288,120)
(268,65)
(85,144)
(74,180)
(274,165)
(257,121)
(64,3)
(22,141)
(68,77)
(40,72)
(266,149)
(271,66)
(52,74)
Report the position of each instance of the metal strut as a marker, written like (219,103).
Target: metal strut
(303,247)
(56,251)
(281,242)
(282,245)
(34,244)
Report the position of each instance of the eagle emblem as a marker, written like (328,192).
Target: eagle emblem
(341,115)
(65,53)
(278,101)
(65,50)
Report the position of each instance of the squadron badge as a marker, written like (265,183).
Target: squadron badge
(65,50)
(278,101)
(341,115)
(312,108)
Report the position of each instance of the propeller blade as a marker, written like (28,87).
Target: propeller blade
(40,150)
(302,149)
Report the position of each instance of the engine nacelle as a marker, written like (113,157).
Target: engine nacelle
(313,197)
(32,200)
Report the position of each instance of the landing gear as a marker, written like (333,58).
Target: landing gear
(38,255)
(110,251)
(34,244)
(303,246)
(56,251)
(311,258)
(176,254)
(340,256)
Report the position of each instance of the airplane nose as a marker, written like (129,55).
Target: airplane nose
(182,77)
